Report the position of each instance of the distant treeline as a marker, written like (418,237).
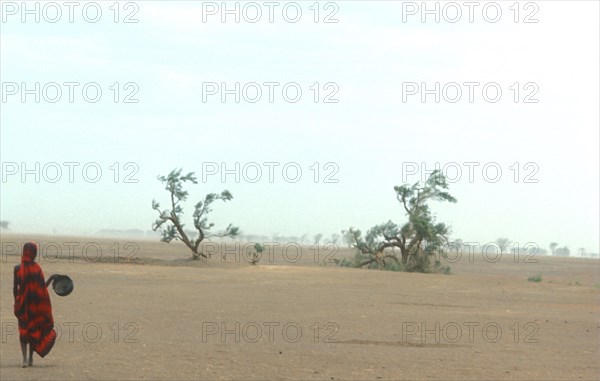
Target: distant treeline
(338,240)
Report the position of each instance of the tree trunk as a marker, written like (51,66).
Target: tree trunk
(404,252)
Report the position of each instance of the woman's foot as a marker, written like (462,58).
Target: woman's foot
(24,365)
(30,363)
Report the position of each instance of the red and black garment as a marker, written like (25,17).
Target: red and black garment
(32,303)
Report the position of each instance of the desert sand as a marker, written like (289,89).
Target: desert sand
(152,313)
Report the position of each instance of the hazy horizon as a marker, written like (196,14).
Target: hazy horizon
(525,170)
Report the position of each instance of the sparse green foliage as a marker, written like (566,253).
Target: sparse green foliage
(418,239)
(536,278)
(345,262)
(255,257)
(169,220)
(553,246)
(373,246)
(422,263)
(393,266)
(4,225)
(318,237)
(421,233)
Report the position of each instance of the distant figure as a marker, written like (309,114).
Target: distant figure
(32,306)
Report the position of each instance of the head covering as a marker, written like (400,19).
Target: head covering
(29,252)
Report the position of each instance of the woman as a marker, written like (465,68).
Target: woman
(32,306)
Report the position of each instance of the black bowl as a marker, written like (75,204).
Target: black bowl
(62,285)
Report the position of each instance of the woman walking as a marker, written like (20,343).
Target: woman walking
(32,306)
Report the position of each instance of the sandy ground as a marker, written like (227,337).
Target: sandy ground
(155,315)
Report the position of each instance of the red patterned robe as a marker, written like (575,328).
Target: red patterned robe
(32,303)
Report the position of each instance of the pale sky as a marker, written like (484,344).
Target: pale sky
(376,136)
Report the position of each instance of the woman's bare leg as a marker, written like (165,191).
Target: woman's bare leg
(30,355)
(24,351)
